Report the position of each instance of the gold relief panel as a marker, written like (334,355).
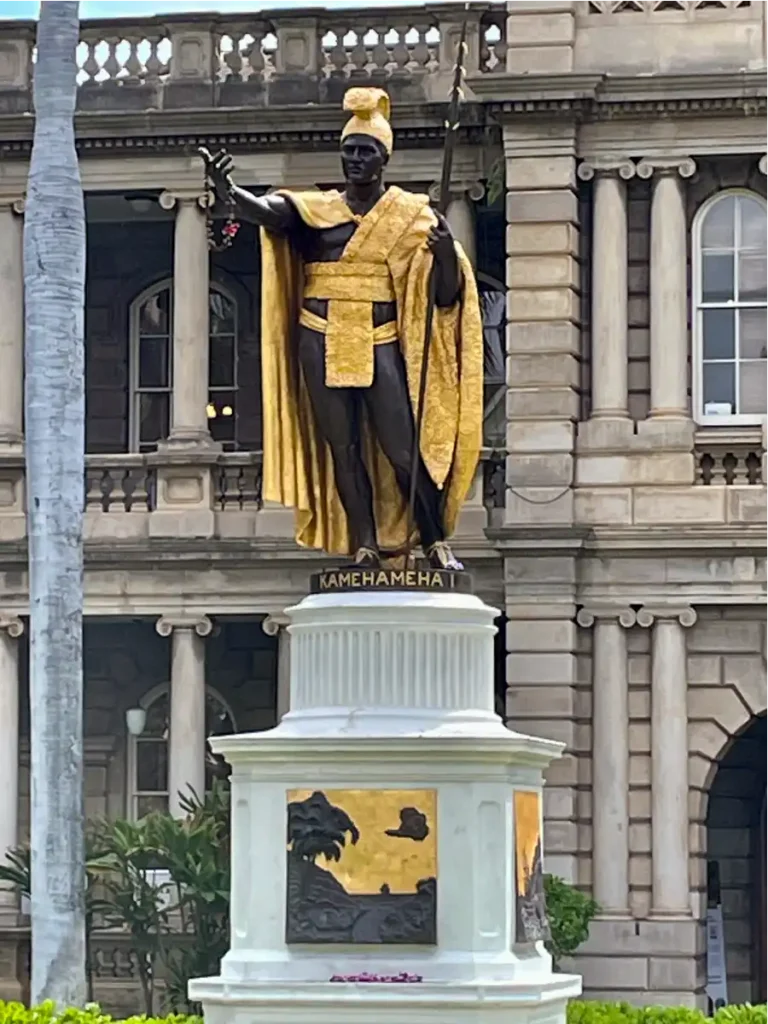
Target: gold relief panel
(530,909)
(362,866)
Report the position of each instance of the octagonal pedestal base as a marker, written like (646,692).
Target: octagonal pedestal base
(392,725)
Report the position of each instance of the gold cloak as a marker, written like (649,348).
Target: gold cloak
(298,469)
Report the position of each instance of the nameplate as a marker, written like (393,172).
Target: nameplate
(350,579)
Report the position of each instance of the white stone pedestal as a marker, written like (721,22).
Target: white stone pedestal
(390,690)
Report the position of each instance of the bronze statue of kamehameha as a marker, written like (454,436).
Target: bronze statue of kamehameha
(346,279)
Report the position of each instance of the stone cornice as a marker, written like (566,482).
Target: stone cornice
(600,97)
(131,133)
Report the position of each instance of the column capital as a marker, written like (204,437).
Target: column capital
(470,189)
(201,624)
(16,203)
(274,623)
(12,625)
(590,614)
(611,166)
(685,166)
(178,197)
(650,614)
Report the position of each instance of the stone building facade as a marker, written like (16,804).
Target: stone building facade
(610,180)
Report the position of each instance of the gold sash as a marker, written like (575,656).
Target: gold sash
(350,290)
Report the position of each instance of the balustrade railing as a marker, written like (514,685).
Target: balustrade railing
(729,461)
(358,44)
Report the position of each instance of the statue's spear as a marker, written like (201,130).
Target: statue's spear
(441,206)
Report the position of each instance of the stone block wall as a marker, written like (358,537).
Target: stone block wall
(644,959)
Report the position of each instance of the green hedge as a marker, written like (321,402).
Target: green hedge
(15,1013)
(585,1012)
(578,1013)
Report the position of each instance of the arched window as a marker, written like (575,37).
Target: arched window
(148,753)
(729,310)
(151,367)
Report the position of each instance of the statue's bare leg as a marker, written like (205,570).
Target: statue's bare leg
(389,409)
(337,413)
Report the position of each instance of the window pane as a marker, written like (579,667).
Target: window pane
(752,383)
(222,361)
(153,362)
(222,416)
(752,270)
(752,334)
(717,330)
(151,766)
(147,804)
(154,317)
(717,277)
(153,417)
(752,224)
(157,718)
(717,230)
(719,388)
(222,318)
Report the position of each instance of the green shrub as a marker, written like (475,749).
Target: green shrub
(15,1013)
(569,912)
(585,1012)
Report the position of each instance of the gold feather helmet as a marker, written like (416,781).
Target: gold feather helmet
(370,110)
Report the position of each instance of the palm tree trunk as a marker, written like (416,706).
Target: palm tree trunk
(54,283)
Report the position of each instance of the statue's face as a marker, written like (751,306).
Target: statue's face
(362,159)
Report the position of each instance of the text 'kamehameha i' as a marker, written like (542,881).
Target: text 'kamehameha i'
(390,579)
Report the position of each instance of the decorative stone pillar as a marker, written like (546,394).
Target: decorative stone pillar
(669,287)
(610,293)
(669,758)
(186,744)
(11,324)
(11,629)
(610,757)
(277,625)
(189,419)
(461,218)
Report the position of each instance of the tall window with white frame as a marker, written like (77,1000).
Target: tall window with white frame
(151,367)
(729,315)
(148,752)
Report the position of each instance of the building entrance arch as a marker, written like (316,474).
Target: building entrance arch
(736,852)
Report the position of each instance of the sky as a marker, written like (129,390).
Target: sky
(141,8)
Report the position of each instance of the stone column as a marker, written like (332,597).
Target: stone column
(610,757)
(11,629)
(461,219)
(186,744)
(277,625)
(189,420)
(669,758)
(669,287)
(11,325)
(543,337)
(610,293)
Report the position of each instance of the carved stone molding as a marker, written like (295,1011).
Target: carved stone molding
(684,614)
(273,623)
(588,616)
(196,196)
(16,204)
(473,190)
(685,166)
(12,625)
(621,165)
(201,624)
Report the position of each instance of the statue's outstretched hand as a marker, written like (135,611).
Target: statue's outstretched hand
(219,170)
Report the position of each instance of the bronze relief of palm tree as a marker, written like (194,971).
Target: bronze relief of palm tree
(316,828)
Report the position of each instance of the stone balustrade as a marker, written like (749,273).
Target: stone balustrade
(143,55)
(132,496)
